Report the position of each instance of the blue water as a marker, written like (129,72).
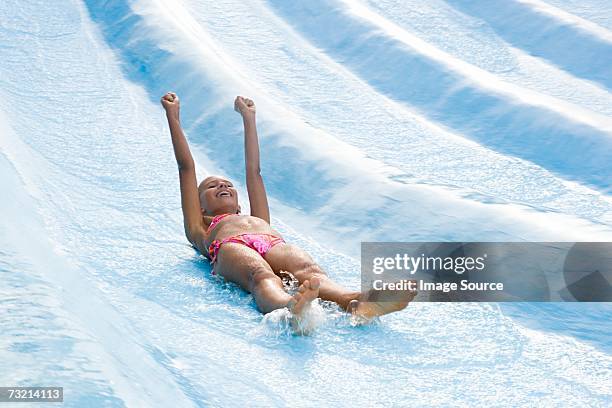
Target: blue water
(379,120)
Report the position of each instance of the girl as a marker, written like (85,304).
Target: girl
(245,249)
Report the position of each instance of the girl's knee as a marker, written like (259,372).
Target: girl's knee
(308,270)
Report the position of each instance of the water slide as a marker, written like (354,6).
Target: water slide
(379,121)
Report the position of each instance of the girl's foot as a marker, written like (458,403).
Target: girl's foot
(306,293)
(372,303)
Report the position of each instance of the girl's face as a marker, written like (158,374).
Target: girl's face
(218,196)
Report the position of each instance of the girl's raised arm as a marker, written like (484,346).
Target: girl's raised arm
(258,199)
(190,199)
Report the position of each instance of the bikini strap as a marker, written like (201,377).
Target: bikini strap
(213,249)
(216,219)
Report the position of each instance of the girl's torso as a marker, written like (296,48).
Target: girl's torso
(235,224)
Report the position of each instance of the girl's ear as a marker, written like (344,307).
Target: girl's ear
(238,212)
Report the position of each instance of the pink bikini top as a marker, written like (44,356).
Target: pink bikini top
(216,220)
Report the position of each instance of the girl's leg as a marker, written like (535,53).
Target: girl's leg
(242,265)
(369,304)
(286,257)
